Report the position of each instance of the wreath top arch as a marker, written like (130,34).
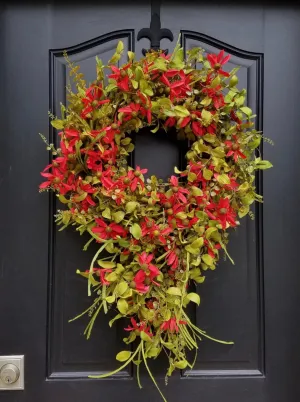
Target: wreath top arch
(159,237)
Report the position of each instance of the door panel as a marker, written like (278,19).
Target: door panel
(252,302)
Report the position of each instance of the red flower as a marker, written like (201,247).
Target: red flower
(179,85)
(216,96)
(111,131)
(83,187)
(178,191)
(171,325)
(222,212)
(105,177)
(72,135)
(136,177)
(59,163)
(196,125)
(142,280)
(111,231)
(133,111)
(217,61)
(154,231)
(92,100)
(56,180)
(102,272)
(121,77)
(141,327)
(234,149)
(170,122)
(176,221)
(172,258)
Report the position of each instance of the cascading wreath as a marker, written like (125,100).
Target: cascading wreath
(159,237)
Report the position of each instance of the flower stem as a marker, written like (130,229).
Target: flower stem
(203,333)
(149,372)
(92,264)
(90,325)
(120,368)
(85,311)
(138,370)
(103,298)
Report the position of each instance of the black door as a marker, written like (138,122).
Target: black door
(255,302)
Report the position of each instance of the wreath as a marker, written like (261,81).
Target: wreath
(156,239)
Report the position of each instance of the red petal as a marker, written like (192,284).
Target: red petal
(225,60)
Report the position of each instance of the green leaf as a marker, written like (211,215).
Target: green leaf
(181,111)
(210,231)
(196,191)
(174,291)
(130,55)
(261,164)
(176,170)
(106,213)
(207,259)
(181,215)
(62,199)
(120,47)
(153,352)
(110,87)
(194,297)
(177,58)
(210,138)
(123,356)
(206,117)
(121,287)
(215,82)
(206,101)
(228,98)
(122,306)
(131,206)
(181,364)
(223,179)
(81,197)
(192,250)
(145,337)
(123,243)
(118,216)
(58,124)
(136,231)
(243,188)
(246,110)
(155,129)
(239,101)
(207,174)
(135,84)
(112,277)
(197,243)
(110,299)
(168,345)
(192,176)
(159,64)
(106,264)
(138,73)
(110,323)
(218,152)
